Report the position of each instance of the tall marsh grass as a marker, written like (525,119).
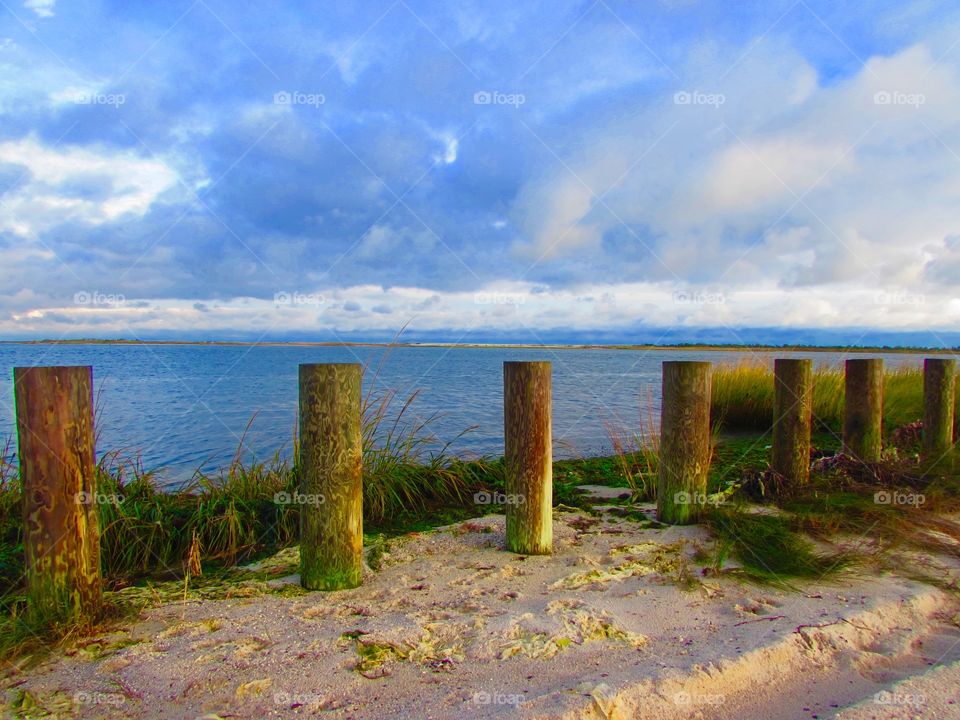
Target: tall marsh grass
(404,466)
(227,517)
(637,451)
(743,397)
(11,537)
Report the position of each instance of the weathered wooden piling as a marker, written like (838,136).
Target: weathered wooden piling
(528,448)
(939,379)
(792,415)
(61,527)
(331,483)
(863,409)
(684,441)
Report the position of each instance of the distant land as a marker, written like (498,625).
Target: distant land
(550,346)
(637,336)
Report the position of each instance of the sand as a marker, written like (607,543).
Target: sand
(620,622)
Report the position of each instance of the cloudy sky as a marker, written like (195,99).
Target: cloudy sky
(546,169)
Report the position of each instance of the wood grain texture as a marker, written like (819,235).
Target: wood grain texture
(528,448)
(939,379)
(684,441)
(61,531)
(863,409)
(330,467)
(792,416)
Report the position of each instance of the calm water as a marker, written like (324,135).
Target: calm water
(185,407)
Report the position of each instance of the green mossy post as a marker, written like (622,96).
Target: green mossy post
(528,448)
(792,416)
(684,441)
(863,409)
(939,378)
(61,527)
(331,482)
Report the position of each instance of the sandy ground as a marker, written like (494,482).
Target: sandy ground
(451,626)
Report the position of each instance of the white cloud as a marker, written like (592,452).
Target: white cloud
(789,181)
(554,217)
(501,305)
(50,188)
(387,243)
(450,150)
(42,8)
(745,177)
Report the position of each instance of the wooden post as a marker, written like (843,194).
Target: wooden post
(331,482)
(684,441)
(863,409)
(61,527)
(529,457)
(939,378)
(792,413)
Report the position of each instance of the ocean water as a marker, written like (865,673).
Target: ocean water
(184,408)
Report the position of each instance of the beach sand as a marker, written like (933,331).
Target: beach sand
(620,622)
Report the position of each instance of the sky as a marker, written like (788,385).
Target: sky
(545,171)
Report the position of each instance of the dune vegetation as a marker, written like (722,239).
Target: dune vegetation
(411,482)
(743,397)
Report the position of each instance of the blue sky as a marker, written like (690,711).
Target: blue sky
(553,170)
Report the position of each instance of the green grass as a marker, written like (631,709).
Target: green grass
(233,515)
(743,397)
(768,549)
(402,471)
(11,521)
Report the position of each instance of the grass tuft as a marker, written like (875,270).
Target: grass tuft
(768,550)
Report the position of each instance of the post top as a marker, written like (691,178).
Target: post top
(46,373)
(330,365)
(52,368)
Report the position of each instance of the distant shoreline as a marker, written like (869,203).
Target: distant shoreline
(693,347)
